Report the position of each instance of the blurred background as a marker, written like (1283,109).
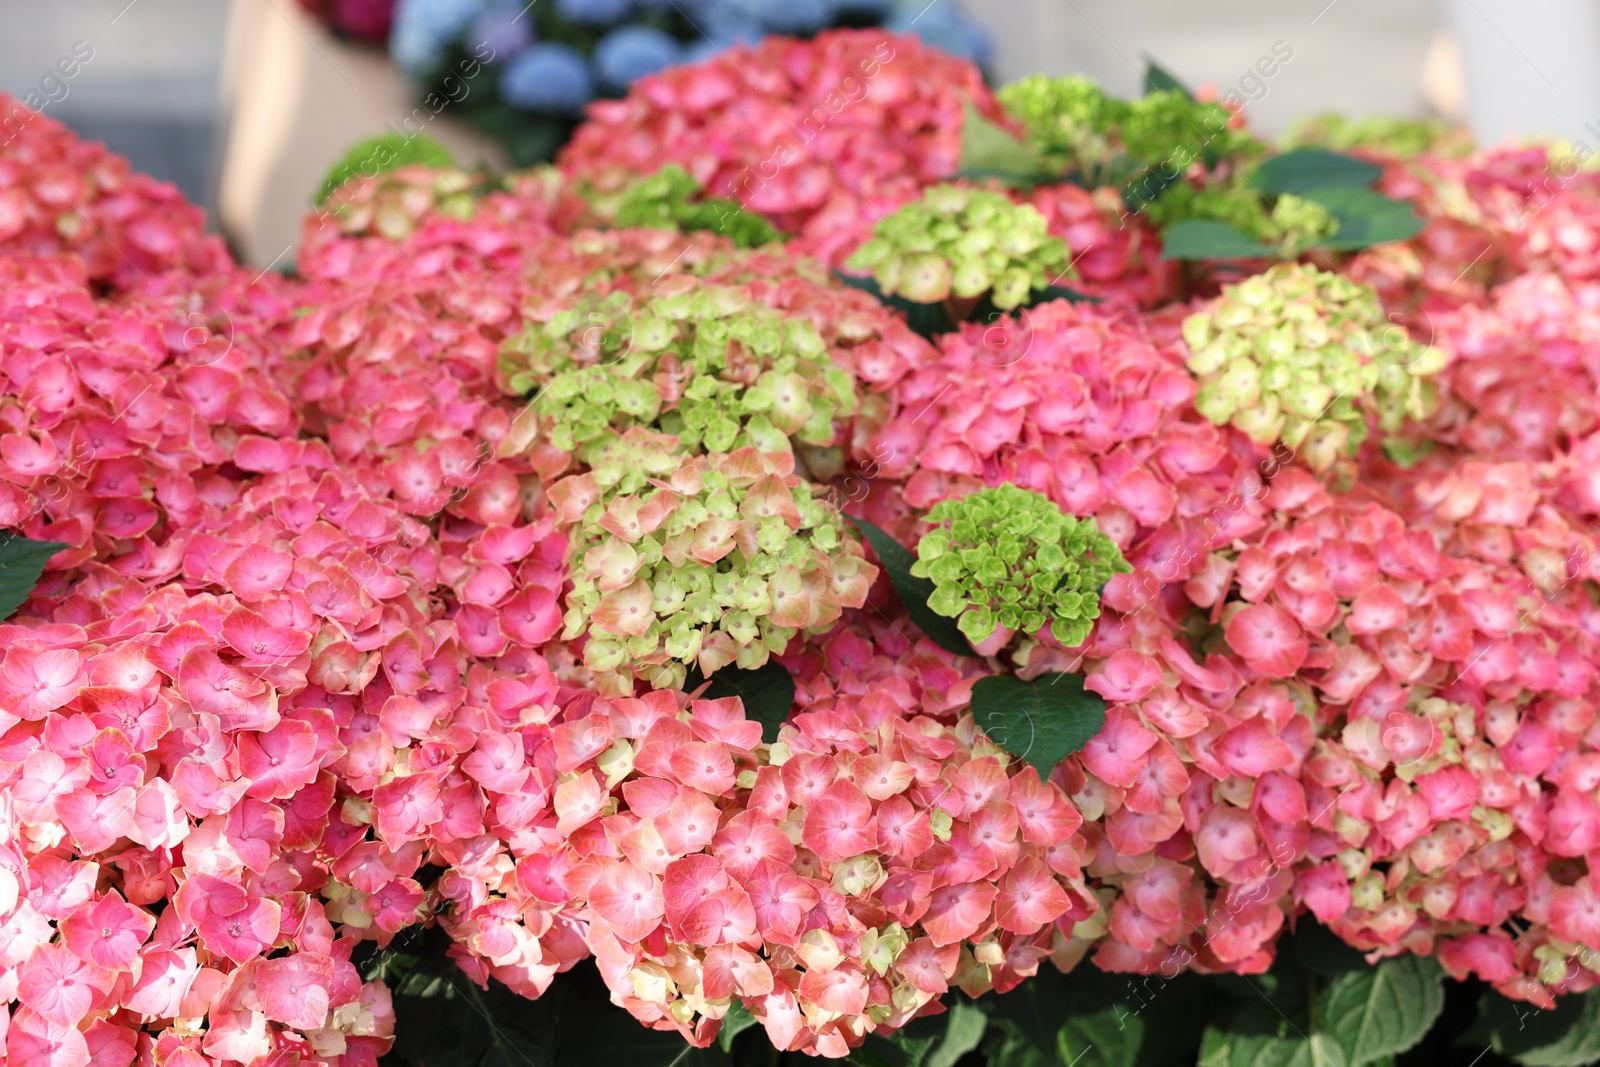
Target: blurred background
(244,104)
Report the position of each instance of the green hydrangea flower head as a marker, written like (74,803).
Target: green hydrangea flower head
(1403,138)
(963,242)
(1075,125)
(1235,203)
(1306,221)
(709,560)
(670,199)
(1008,558)
(710,364)
(377,155)
(1304,356)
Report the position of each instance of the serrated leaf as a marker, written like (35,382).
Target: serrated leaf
(767,693)
(736,1022)
(1365,218)
(1157,79)
(1209,239)
(21,563)
(1567,1035)
(1042,721)
(914,592)
(991,151)
(1225,1048)
(1304,169)
(1379,1011)
(1109,1038)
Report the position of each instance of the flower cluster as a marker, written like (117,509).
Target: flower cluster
(550,62)
(709,364)
(709,559)
(1303,356)
(834,881)
(852,115)
(363,20)
(670,200)
(60,194)
(1008,559)
(963,243)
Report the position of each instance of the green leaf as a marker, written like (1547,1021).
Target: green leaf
(1568,1035)
(736,1022)
(1042,721)
(914,592)
(1225,1048)
(21,563)
(1209,239)
(767,693)
(1365,218)
(386,152)
(1379,1011)
(1158,78)
(990,151)
(1109,1038)
(1304,169)
(961,1035)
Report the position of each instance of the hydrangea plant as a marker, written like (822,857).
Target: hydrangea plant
(1008,558)
(709,364)
(709,560)
(1303,356)
(670,199)
(963,242)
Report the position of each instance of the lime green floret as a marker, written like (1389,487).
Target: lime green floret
(1007,557)
(1303,356)
(707,363)
(670,200)
(963,242)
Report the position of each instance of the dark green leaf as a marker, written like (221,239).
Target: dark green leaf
(1365,218)
(1379,1011)
(914,592)
(1108,1038)
(767,693)
(1224,1048)
(989,151)
(21,563)
(1042,721)
(1304,169)
(736,1022)
(1320,950)
(1568,1035)
(1208,239)
(1157,79)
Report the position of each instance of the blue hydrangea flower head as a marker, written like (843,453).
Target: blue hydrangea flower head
(789,16)
(548,77)
(424,29)
(594,12)
(628,53)
(945,27)
(505,29)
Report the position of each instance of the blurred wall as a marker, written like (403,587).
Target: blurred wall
(148,88)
